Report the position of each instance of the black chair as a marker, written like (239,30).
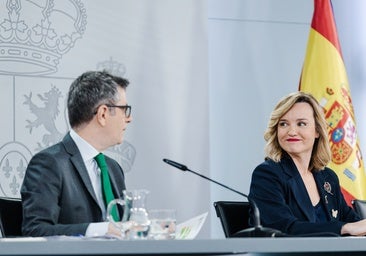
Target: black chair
(234,216)
(11,215)
(360,207)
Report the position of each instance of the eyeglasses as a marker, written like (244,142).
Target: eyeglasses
(126,108)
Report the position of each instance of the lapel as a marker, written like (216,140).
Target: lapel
(297,186)
(326,194)
(78,163)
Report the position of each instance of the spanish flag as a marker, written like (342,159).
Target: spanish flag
(324,76)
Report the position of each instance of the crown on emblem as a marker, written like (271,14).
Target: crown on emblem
(114,67)
(34,35)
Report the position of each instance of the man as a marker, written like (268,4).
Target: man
(62,191)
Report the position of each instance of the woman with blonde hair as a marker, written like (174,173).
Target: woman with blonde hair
(294,190)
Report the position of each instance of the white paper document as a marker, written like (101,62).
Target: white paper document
(190,228)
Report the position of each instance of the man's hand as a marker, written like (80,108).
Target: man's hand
(119,229)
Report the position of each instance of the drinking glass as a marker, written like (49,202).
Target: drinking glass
(162,224)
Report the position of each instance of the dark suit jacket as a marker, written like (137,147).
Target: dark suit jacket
(57,194)
(284,204)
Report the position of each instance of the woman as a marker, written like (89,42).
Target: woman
(294,190)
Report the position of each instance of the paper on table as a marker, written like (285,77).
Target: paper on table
(23,239)
(190,228)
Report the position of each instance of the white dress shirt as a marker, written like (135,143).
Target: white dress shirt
(88,152)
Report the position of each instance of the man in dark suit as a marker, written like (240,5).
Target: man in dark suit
(62,192)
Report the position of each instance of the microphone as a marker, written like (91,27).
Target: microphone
(257,230)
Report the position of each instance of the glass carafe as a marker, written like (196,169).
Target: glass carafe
(135,221)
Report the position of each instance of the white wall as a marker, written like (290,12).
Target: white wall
(160,46)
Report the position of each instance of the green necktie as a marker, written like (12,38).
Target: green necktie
(106,184)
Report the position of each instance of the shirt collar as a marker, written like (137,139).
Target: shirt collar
(87,151)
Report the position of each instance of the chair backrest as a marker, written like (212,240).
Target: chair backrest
(234,216)
(11,215)
(360,207)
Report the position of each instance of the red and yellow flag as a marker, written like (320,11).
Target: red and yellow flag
(324,76)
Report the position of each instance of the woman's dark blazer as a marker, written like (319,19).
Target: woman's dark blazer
(284,204)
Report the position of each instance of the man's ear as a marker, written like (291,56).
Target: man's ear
(101,115)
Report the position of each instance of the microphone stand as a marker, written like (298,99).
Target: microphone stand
(257,230)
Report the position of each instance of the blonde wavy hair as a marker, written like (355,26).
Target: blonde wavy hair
(321,154)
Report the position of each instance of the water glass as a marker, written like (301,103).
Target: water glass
(162,224)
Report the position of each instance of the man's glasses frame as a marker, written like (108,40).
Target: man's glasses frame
(126,108)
